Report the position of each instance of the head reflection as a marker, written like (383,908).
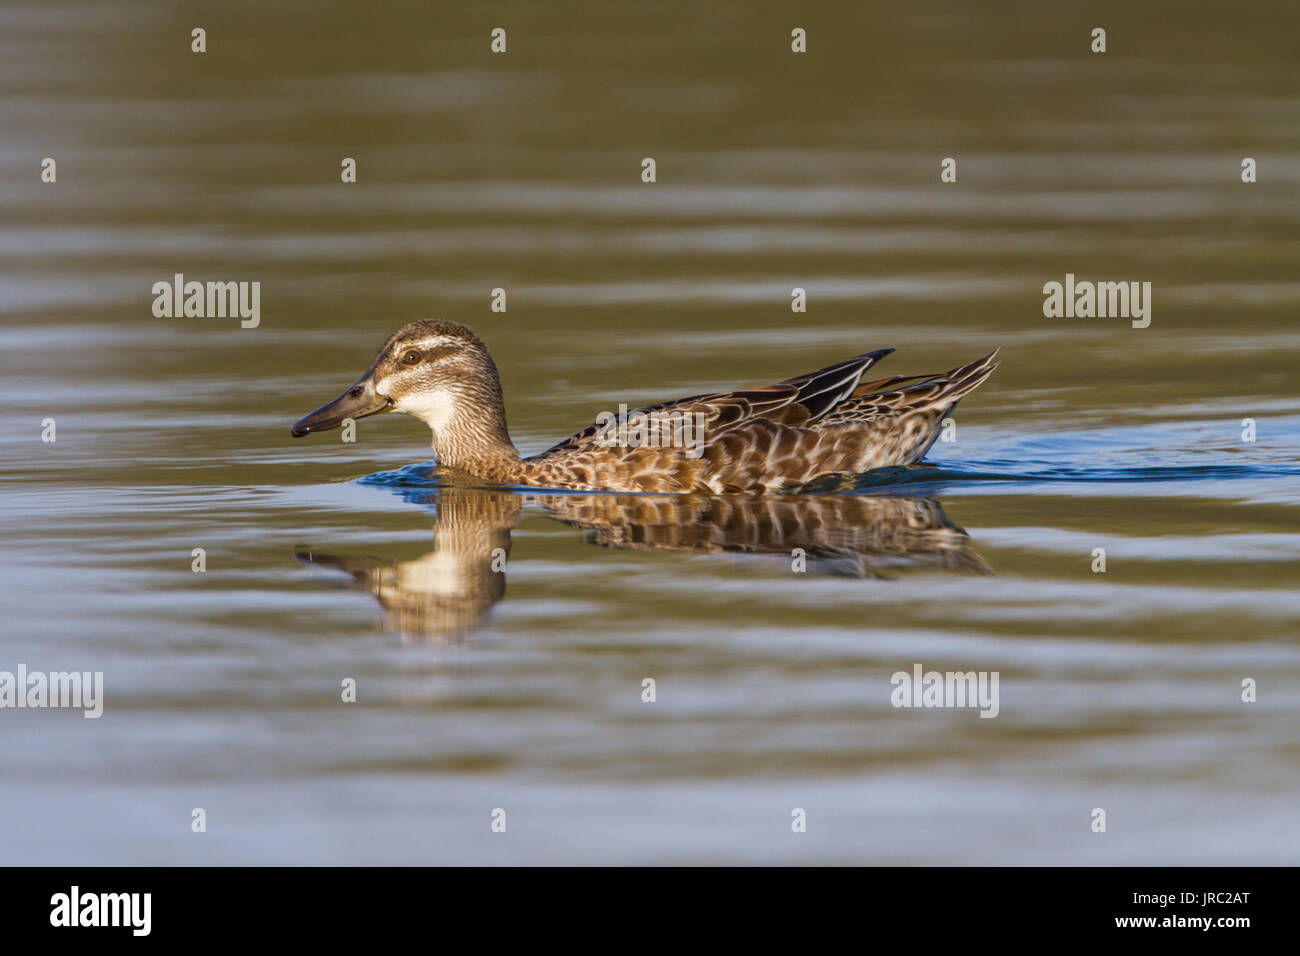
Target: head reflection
(447,592)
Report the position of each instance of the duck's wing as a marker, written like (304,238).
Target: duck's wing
(801,401)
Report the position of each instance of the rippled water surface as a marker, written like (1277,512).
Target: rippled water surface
(522,690)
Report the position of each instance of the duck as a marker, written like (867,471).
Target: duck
(770,438)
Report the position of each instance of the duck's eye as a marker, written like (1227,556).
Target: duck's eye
(412,357)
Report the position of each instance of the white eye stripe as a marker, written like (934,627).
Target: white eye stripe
(437,342)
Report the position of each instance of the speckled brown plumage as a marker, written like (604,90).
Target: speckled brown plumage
(776,437)
(770,438)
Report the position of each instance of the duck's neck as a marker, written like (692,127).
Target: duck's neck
(470,436)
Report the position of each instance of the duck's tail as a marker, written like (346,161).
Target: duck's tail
(944,389)
(895,421)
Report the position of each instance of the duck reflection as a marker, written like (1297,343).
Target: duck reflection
(849,535)
(448,592)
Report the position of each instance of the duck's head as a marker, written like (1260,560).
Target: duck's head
(438,371)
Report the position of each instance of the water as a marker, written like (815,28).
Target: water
(478,690)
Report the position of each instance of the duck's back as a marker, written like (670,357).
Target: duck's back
(769,438)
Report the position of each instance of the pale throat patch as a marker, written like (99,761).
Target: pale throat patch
(435,408)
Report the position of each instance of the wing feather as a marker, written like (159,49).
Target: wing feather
(799,401)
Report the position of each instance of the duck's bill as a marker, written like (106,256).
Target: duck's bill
(357,402)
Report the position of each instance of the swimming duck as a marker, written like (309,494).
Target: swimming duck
(770,438)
